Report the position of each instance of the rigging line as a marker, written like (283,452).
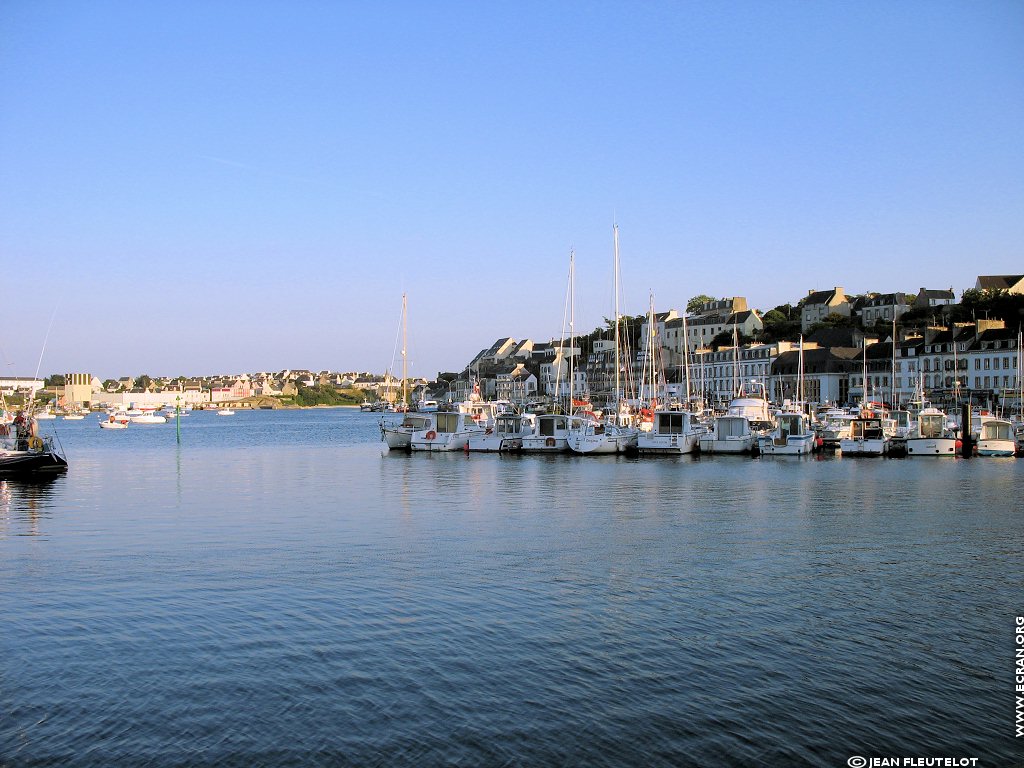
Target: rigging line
(45,339)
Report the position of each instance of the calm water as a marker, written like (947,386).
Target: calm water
(277,592)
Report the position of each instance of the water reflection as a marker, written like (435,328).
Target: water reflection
(24,503)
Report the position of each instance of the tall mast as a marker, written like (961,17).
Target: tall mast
(800,377)
(893,382)
(686,361)
(572,329)
(735,362)
(405,378)
(615,280)
(864,374)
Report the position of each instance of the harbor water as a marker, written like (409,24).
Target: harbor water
(275,590)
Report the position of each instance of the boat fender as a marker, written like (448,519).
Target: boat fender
(431,435)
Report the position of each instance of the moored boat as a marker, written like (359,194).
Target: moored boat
(451,432)
(996,438)
(671,432)
(24,452)
(792,436)
(399,436)
(931,435)
(867,438)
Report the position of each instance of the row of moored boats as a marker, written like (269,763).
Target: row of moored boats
(748,426)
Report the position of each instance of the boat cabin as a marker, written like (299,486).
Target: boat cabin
(931,425)
(866,429)
(672,423)
(789,424)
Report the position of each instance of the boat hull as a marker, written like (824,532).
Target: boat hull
(544,444)
(677,444)
(14,463)
(794,445)
(996,448)
(736,445)
(931,446)
(869,447)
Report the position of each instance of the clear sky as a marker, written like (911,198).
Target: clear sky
(217,187)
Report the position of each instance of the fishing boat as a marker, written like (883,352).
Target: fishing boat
(931,435)
(24,453)
(996,438)
(222,412)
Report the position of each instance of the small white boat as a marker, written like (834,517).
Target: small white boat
(116,420)
(148,418)
(550,431)
(506,435)
(44,416)
(867,438)
(427,406)
(996,438)
(450,433)
(931,435)
(671,432)
(74,416)
(729,434)
(601,437)
(225,412)
(399,436)
(792,436)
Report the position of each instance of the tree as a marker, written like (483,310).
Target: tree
(54,380)
(724,339)
(143,382)
(695,303)
(110,385)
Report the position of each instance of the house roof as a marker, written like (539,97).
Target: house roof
(820,297)
(998,282)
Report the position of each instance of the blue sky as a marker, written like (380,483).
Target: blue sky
(204,187)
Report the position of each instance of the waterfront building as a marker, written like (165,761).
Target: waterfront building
(79,389)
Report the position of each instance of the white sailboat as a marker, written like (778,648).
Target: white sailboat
(792,435)
(615,434)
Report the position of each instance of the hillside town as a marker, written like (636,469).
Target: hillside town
(906,344)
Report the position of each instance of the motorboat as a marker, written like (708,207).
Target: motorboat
(671,432)
(729,434)
(867,438)
(506,434)
(399,436)
(451,432)
(115,420)
(792,436)
(996,438)
(931,435)
(225,412)
(550,433)
(594,437)
(427,406)
(149,418)
(835,427)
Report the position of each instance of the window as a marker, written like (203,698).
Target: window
(987,382)
(986,368)
(977,363)
(1006,363)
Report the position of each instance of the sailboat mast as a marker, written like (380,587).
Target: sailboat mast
(405,377)
(686,362)
(615,280)
(735,362)
(893,382)
(572,329)
(800,376)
